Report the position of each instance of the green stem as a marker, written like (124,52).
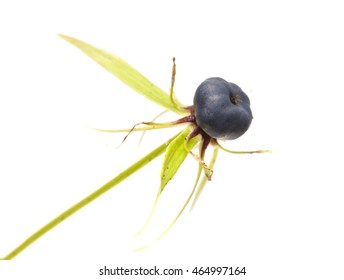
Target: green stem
(76,207)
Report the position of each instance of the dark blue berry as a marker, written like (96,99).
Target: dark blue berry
(222,109)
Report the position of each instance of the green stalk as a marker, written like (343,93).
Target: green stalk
(76,207)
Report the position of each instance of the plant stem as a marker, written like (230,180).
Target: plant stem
(76,207)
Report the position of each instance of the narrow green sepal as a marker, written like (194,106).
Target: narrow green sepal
(175,154)
(127,74)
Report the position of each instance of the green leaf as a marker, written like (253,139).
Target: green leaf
(176,152)
(176,218)
(127,74)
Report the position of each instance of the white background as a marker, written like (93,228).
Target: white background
(280,215)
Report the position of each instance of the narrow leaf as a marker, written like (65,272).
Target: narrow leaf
(127,74)
(175,154)
(177,217)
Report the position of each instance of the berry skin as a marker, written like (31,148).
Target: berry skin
(222,109)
